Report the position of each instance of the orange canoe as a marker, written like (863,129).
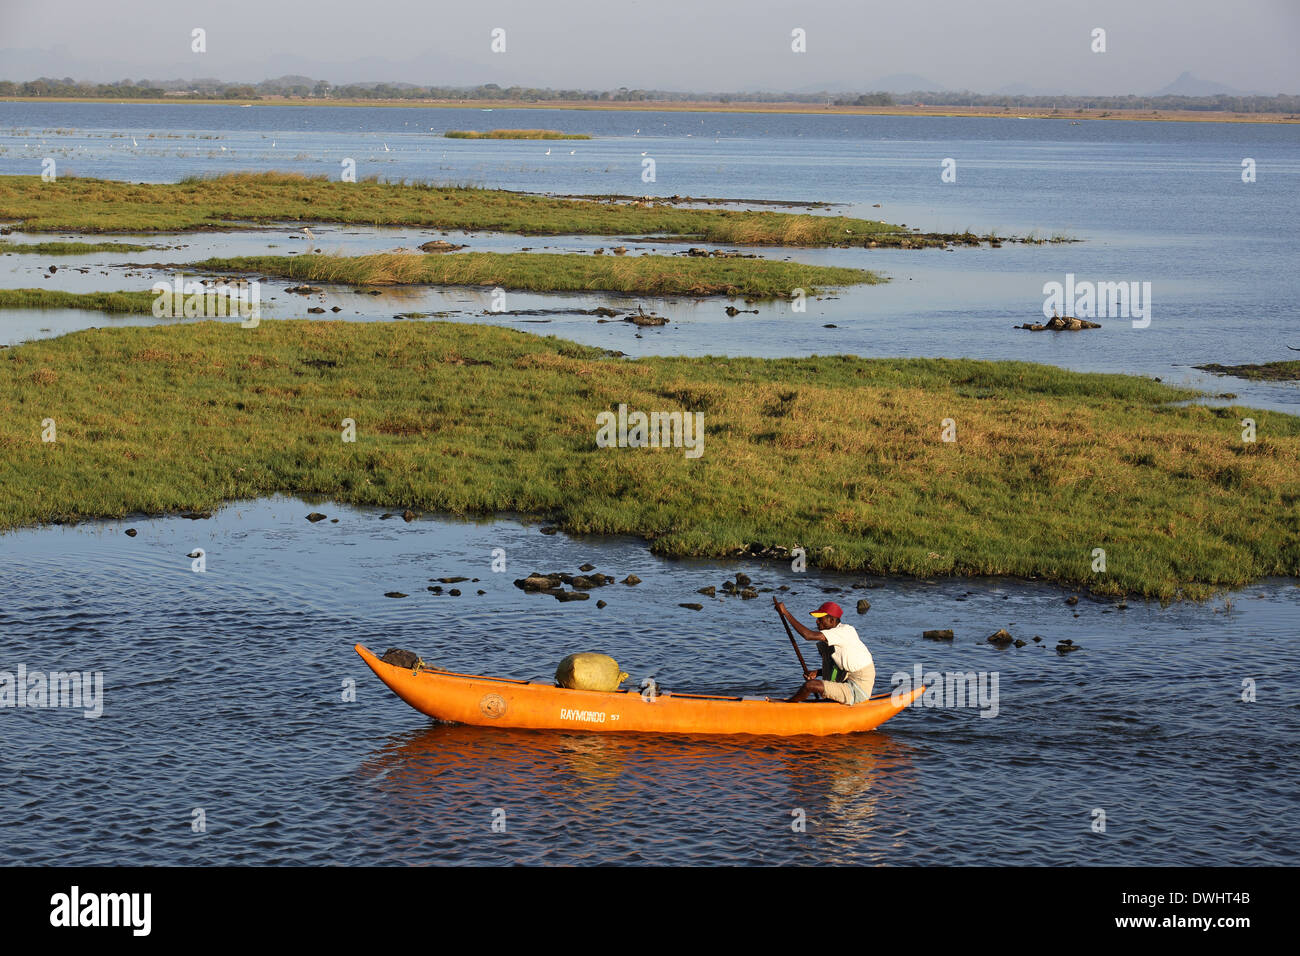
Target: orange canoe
(536,705)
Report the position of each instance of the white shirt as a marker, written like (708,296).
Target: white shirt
(847,649)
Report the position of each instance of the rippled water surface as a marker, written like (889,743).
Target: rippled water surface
(223,691)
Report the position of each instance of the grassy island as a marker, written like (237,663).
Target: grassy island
(245,200)
(839,454)
(554,272)
(513,134)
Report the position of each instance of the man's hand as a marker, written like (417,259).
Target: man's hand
(809,675)
(776,602)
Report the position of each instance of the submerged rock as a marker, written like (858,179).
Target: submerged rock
(315,516)
(944,635)
(1000,638)
(864,606)
(1060,323)
(692,607)
(642,319)
(538,582)
(394,594)
(440,245)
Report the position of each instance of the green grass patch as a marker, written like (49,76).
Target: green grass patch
(840,455)
(513,134)
(135,303)
(1264,372)
(71,248)
(239,199)
(548,272)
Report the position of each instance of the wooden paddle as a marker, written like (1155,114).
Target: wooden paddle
(790,634)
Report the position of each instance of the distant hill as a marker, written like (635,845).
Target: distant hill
(1189,85)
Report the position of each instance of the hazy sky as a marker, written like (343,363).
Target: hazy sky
(981,45)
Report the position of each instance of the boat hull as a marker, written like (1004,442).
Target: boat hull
(495,702)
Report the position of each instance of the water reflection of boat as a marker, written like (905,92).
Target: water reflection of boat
(536,705)
(637,797)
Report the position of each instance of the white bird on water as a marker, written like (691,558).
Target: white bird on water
(572,152)
(308,233)
(133,142)
(386,149)
(548,152)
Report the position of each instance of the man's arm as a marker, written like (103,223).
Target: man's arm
(807,633)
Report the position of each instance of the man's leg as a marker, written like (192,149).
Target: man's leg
(807,690)
(839,691)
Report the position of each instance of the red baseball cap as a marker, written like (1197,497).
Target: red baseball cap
(831,608)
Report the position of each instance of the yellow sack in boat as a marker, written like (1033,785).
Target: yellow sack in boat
(589,672)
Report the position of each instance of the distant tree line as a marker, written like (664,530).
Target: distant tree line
(308,88)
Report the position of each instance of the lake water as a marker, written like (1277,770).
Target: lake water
(223,690)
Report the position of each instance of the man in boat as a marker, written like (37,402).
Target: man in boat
(848,672)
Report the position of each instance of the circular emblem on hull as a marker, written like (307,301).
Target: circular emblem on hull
(493,705)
